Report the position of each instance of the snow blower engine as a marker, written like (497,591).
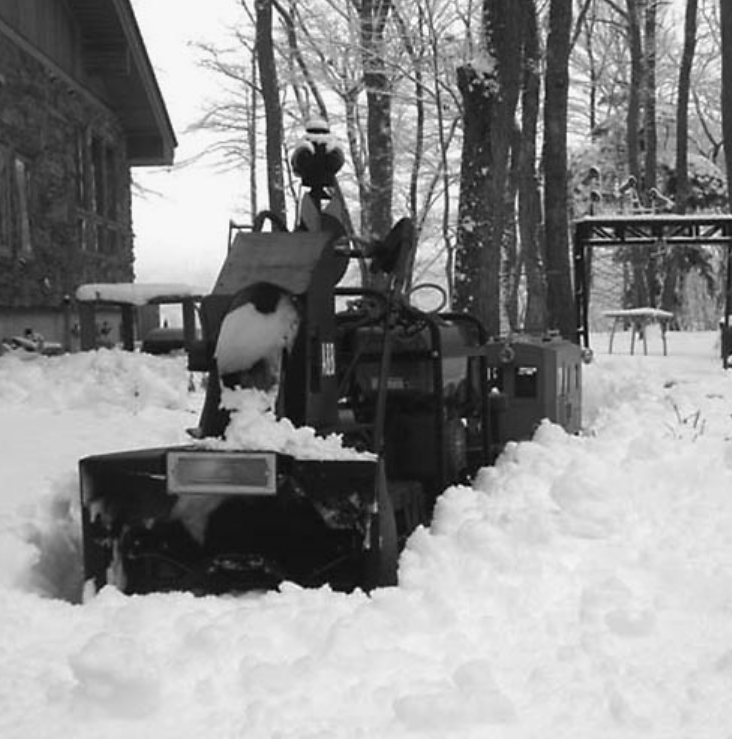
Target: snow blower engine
(395,396)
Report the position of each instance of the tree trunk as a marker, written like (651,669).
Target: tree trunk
(637,295)
(415,57)
(587,22)
(373,17)
(502,28)
(649,117)
(529,198)
(652,259)
(473,208)
(512,258)
(669,291)
(560,305)
(490,89)
(444,137)
(682,109)
(358,158)
(726,48)
(633,119)
(252,134)
(272,108)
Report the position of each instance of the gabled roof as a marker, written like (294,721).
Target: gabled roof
(97,48)
(114,52)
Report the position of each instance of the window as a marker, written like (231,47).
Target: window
(6,210)
(82,171)
(110,179)
(104,171)
(526,382)
(97,163)
(97,193)
(22,186)
(15,230)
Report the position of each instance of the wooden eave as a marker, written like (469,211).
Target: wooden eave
(114,53)
(111,67)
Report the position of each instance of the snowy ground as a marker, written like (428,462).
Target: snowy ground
(582,589)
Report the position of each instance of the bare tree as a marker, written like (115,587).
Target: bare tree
(650,139)
(373,16)
(705,125)
(682,107)
(490,89)
(252,140)
(726,48)
(529,193)
(474,237)
(560,306)
(272,108)
(633,116)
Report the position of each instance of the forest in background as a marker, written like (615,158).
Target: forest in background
(493,125)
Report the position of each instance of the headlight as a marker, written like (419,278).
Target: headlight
(217,473)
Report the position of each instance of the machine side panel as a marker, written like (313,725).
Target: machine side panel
(287,260)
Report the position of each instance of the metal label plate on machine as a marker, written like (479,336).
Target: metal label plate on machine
(221,473)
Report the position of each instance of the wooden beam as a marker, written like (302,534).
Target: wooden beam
(51,66)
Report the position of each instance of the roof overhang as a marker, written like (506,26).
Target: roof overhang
(114,53)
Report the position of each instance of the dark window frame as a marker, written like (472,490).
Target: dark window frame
(98,211)
(526,381)
(16,176)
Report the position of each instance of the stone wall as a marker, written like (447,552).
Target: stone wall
(67,153)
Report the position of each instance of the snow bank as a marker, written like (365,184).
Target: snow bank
(53,412)
(106,377)
(581,588)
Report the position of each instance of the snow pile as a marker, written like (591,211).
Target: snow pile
(594,575)
(54,411)
(582,588)
(106,377)
(254,426)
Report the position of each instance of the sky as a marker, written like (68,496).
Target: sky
(581,587)
(181,225)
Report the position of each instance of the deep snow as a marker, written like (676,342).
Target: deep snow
(582,588)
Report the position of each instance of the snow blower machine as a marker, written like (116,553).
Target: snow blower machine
(400,390)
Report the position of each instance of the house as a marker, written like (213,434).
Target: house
(79,107)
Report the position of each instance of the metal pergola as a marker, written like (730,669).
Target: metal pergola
(645,231)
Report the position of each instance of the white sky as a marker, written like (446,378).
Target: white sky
(180,235)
